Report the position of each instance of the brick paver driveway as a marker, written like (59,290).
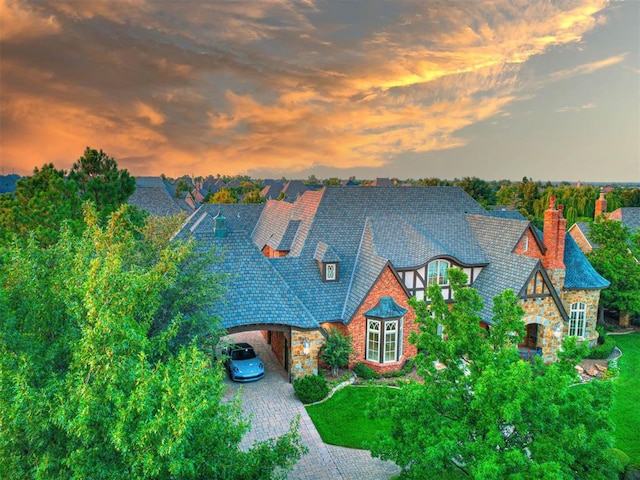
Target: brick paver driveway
(271,404)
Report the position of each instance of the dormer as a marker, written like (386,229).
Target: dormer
(328,262)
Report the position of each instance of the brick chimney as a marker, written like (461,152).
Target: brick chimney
(601,206)
(554,231)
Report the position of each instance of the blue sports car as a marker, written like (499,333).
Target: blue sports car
(243,363)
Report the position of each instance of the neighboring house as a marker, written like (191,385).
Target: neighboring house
(153,196)
(628,216)
(8,183)
(350,258)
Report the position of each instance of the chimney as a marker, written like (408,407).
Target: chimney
(555,227)
(601,206)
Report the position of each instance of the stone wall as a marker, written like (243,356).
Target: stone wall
(303,364)
(591,299)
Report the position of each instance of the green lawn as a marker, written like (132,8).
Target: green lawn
(625,414)
(342,420)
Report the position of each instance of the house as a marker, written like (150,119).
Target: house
(350,258)
(153,196)
(628,216)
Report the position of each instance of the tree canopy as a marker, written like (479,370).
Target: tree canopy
(617,258)
(482,412)
(94,381)
(49,198)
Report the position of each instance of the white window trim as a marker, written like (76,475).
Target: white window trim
(440,267)
(385,329)
(330,270)
(577,319)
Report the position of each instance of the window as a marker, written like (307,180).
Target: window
(390,342)
(437,273)
(577,319)
(373,340)
(330,271)
(525,244)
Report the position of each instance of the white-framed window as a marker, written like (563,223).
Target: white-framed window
(525,244)
(373,340)
(437,273)
(330,271)
(577,319)
(384,340)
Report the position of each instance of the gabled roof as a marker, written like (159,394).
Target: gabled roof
(506,270)
(629,216)
(152,195)
(366,230)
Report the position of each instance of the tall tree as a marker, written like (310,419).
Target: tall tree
(90,389)
(40,205)
(484,413)
(617,258)
(100,181)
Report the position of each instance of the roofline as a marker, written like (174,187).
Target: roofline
(440,257)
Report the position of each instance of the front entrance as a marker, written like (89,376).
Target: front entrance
(531,336)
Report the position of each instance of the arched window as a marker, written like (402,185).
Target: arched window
(437,273)
(577,319)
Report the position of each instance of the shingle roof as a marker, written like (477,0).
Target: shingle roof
(506,270)
(629,216)
(152,195)
(579,272)
(365,230)
(386,308)
(255,292)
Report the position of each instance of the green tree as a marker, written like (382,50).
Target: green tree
(482,412)
(224,195)
(253,197)
(616,258)
(100,181)
(337,350)
(40,205)
(88,388)
(479,190)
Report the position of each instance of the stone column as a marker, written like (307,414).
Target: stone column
(309,341)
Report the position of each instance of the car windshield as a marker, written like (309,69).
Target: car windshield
(243,354)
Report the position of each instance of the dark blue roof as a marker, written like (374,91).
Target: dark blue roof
(386,308)
(579,272)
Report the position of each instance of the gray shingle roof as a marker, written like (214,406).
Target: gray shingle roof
(152,195)
(365,230)
(506,270)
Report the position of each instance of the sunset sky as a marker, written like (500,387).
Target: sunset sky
(409,89)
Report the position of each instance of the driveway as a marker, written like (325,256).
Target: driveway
(271,405)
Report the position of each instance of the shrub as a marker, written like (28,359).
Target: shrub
(364,372)
(604,349)
(337,350)
(311,389)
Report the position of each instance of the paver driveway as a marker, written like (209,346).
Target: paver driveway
(272,405)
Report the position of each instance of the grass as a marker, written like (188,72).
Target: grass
(624,412)
(342,420)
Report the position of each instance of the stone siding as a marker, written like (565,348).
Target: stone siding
(590,298)
(305,364)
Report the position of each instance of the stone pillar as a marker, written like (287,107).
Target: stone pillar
(303,364)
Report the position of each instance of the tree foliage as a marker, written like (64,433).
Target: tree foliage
(337,350)
(100,181)
(43,202)
(616,258)
(92,381)
(224,195)
(484,413)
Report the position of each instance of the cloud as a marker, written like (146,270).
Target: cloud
(578,108)
(235,86)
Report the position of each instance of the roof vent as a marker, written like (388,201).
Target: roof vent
(220,226)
